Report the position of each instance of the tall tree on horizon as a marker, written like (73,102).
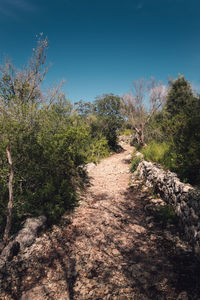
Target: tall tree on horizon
(107,108)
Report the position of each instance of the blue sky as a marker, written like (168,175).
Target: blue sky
(101,46)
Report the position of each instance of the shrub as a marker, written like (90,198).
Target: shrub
(126,132)
(155,152)
(98,148)
(160,153)
(135,162)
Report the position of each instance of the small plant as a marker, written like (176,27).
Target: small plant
(134,163)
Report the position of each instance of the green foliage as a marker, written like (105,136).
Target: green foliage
(183,129)
(46,159)
(156,152)
(126,132)
(83,108)
(180,94)
(98,148)
(48,142)
(155,129)
(173,134)
(107,109)
(103,120)
(134,163)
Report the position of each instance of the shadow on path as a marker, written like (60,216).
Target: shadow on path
(111,249)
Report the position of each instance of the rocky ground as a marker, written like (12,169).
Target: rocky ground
(110,248)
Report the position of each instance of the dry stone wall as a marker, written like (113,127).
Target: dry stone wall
(183,197)
(23,239)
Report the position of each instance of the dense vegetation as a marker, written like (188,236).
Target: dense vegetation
(45,143)
(45,140)
(178,146)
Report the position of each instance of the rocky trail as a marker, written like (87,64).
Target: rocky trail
(109,248)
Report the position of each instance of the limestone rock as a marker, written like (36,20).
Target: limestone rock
(90,166)
(24,238)
(182,197)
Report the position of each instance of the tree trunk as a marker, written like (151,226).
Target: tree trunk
(140,136)
(10,202)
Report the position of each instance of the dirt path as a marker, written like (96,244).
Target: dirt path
(110,249)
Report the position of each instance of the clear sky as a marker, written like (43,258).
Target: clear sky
(101,46)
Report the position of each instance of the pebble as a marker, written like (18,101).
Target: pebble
(115,252)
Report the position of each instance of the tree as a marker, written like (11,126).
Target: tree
(44,145)
(83,108)
(107,109)
(183,129)
(180,94)
(21,98)
(141,105)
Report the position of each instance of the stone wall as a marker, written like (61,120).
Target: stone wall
(23,239)
(183,197)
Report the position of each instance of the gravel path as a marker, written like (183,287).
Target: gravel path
(110,249)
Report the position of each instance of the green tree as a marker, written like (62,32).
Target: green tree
(107,109)
(183,114)
(180,94)
(20,97)
(83,108)
(41,147)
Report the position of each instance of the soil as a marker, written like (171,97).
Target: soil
(109,248)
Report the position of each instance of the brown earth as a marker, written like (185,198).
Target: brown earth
(109,248)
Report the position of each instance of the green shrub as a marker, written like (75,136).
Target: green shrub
(155,152)
(126,132)
(161,153)
(98,148)
(47,159)
(48,142)
(183,129)
(135,162)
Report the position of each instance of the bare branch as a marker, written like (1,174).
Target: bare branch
(140,105)
(53,93)
(10,202)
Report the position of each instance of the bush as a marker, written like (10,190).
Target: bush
(46,156)
(48,142)
(155,152)
(126,132)
(135,162)
(98,148)
(161,153)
